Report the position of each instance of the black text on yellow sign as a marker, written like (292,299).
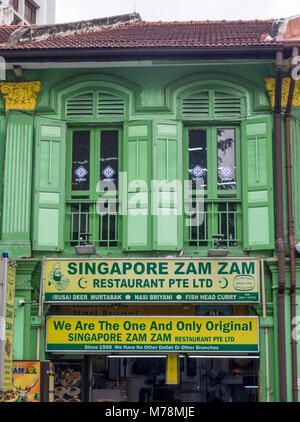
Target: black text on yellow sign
(156,334)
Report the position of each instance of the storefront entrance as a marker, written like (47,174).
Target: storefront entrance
(136,378)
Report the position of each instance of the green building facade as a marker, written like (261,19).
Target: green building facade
(162,117)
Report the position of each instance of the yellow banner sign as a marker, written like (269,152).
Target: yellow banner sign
(151,280)
(8,283)
(152,334)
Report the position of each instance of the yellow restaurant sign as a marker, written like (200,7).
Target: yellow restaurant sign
(151,334)
(230,280)
(7,313)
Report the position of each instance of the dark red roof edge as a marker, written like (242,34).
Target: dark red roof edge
(109,54)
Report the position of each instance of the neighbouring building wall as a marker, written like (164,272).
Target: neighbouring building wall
(46,12)
(39,12)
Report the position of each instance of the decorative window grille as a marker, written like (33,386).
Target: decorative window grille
(86,224)
(223,218)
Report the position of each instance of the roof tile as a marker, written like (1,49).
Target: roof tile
(154,35)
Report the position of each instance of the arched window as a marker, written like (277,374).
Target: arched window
(95,117)
(211,113)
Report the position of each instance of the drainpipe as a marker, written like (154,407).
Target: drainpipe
(263,289)
(279,229)
(40,312)
(291,235)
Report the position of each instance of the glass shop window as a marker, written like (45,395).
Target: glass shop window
(93,157)
(213,166)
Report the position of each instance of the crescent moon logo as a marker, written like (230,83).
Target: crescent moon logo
(226,283)
(80,281)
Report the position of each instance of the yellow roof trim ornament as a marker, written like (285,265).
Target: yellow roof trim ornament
(20,95)
(270,86)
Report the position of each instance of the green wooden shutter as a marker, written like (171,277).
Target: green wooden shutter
(49,194)
(17,178)
(167,200)
(135,198)
(258,206)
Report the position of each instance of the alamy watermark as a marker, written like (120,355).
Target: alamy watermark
(162,197)
(296,329)
(296,69)
(2,69)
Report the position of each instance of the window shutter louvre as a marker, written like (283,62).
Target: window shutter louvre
(212,104)
(80,106)
(258,208)
(49,193)
(167,203)
(227,104)
(110,105)
(135,198)
(90,105)
(196,105)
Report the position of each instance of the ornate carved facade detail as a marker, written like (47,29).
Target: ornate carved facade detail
(270,86)
(20,95)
